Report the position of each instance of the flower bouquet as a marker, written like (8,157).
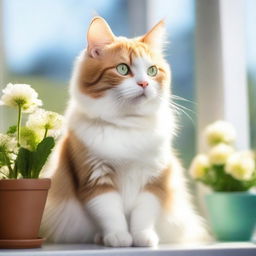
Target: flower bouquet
(230,174)
(24,150)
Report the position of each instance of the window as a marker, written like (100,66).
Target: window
(42,39)
(251,67)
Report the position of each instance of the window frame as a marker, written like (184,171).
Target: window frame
(221,75)
(221,67)
(2,63)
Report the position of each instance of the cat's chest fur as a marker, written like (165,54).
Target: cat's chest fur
(148,145)
(137,155)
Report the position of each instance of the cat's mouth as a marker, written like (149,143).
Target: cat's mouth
(141,96)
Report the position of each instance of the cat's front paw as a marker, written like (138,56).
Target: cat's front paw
(118,239)
(145,238)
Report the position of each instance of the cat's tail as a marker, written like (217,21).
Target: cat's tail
(182,223)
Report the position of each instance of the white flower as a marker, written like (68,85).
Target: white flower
(20,94)
(199,166)
(42,119)
(4,172)
(241,165)
(220,132)
(7,144)
(219,154)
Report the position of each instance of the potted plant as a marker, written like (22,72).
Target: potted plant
(24,150)
(231,206)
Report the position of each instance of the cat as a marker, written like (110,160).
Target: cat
(115,177)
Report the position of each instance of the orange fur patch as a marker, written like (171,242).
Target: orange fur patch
(72,176)
(161,187)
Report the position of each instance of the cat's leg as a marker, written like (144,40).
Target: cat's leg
(103,203)
(164,211)
(64,219)
(149,207)
(143,218)
(107,211)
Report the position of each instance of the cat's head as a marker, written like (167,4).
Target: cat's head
(116,77)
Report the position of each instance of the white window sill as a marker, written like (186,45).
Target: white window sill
(217,249)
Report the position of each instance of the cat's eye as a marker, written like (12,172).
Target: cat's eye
(152,71)
(122,69)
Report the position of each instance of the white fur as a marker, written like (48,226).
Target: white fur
(107,211)
(68,223)
(133,135)
(146,211)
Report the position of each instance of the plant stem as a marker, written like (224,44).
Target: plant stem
(45,133)
(18,124)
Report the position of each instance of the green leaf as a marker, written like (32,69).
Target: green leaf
(219,180)
(41,155)
(2,159)
(24,162)
(12,129)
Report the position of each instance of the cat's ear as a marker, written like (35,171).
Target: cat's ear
(156,37)
(98,36)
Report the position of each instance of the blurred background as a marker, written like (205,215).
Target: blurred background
(40,40)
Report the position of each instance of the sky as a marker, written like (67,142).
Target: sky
(49,27)
(34,27)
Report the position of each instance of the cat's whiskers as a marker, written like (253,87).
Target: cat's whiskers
(183,107)
(176,97)
(180,109)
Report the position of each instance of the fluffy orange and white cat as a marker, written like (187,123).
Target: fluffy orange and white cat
(114,176)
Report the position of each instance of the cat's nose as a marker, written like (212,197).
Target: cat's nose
(143,84)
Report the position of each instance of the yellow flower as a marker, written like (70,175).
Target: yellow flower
(29,138)
(219,154)
(241,165)
(220,132)
(199,166)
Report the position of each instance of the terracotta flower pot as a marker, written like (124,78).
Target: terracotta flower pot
(22,204)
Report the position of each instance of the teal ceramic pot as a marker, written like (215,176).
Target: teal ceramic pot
(232,215)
